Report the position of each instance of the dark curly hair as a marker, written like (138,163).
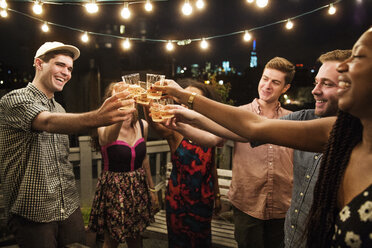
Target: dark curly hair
(207,90)
(345,135)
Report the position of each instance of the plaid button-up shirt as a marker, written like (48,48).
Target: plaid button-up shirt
(37,178)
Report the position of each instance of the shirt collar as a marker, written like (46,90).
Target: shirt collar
(257,108)
(40,94)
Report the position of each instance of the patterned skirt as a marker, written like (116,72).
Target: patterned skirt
(121,205)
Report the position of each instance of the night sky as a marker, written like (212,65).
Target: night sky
(312,34)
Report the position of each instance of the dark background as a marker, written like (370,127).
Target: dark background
(98,65)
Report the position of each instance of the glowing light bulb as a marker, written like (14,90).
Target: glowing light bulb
(125,12)
(250,1)
(170,46)
(45,27)
(85,37)
(262,3)
(3,13)
(148,6)
(126,44)
(91,7)
(37,8)
(331,10)
(187,8)
(289,24)
(200,4)
(247,36)
(204,44)
(3,4)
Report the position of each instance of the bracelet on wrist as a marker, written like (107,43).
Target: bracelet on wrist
(152,190)
(190,102)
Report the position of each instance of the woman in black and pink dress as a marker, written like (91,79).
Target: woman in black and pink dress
(122,206)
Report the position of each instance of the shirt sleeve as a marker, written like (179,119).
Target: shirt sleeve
(19,109)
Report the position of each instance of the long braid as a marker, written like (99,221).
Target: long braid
(345,135)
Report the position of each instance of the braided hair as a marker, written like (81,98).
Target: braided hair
(345,135)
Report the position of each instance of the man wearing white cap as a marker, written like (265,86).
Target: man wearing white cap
(40,194)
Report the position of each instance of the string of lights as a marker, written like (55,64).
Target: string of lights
(169,43)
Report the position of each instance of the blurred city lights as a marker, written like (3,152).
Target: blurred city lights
(262,3)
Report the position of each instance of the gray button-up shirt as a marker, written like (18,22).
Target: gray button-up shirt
(37,178)
(305,174)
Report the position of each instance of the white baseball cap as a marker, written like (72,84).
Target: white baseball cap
(55,45)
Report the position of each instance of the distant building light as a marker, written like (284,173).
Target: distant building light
(9,72)
(182,71)
(299,65)
(312,71)
(1,82)
(108,45)
(288,101)
(220,82)
(184,68)
(207,82)
(285,96)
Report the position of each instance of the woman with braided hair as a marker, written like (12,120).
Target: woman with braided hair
(341,214)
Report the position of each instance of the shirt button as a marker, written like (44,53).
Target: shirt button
(296,210)
(307,176)
(270,163)
(301,194)
(62,211)
(292,226)
(316,157)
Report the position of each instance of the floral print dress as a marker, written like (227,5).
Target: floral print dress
(353,226)
(190,197)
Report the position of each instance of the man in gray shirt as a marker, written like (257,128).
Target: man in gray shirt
(306,164)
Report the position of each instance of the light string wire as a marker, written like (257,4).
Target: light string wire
(179,42)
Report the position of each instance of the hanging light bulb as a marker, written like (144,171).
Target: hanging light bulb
(187,8)
(125,12)
(170,46)
(247,36)
(332,9)
(262,3)
(3,13)
(126,44)
(289,24)
(45,27)
(200,4)
(250,1)
(85,37)
(3,4)
(91,7)
(37,8)
(204,44)
(148,6)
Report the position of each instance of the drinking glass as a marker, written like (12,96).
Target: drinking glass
(155,110)
(165,110)
(151,79)
(119,87)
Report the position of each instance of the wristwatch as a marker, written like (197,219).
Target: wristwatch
(191,100)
